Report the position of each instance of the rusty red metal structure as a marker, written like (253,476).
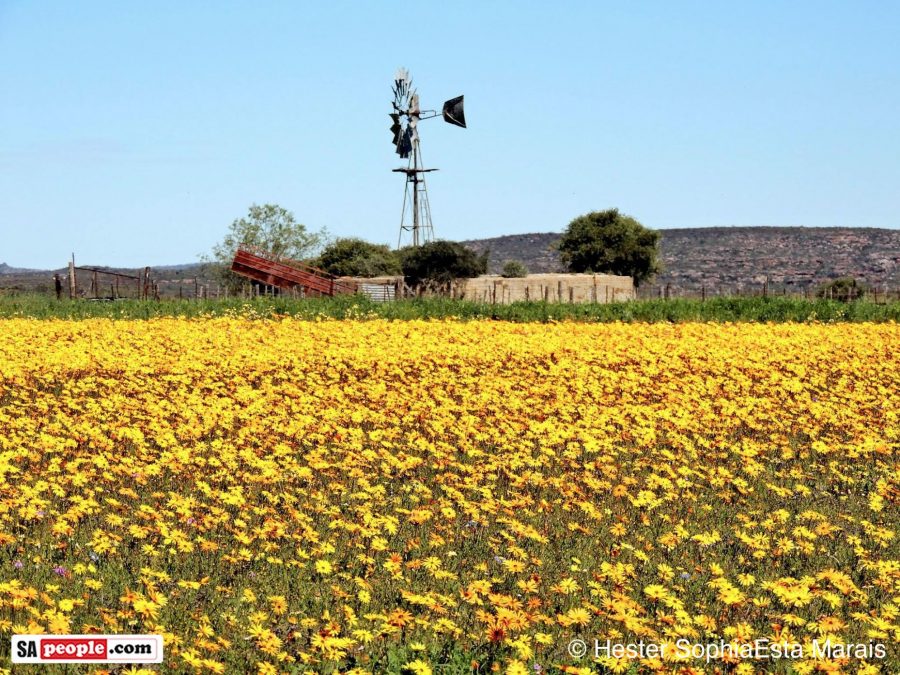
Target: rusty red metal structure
(270,270)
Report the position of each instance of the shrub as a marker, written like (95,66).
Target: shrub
(514,269)
(844,289)
(437,263)
(357,258)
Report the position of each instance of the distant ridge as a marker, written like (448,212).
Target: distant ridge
(6,269)
(738,258)
(727,259)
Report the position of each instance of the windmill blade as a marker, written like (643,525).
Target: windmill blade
(454,113)
(404,145)
(399,98)
(402,85)
(396,128)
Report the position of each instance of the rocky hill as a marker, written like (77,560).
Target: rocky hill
(719,259)
(6,269)
(736,259)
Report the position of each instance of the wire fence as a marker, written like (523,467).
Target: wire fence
(702,291)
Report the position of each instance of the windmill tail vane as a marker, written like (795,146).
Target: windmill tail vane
(415,219)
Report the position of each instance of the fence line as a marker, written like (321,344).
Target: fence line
(882,294)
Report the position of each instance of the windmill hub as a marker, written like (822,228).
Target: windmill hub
(404,127)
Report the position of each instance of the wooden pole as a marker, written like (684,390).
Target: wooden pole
(72,278)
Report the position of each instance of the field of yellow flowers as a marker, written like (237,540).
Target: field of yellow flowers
(372,496)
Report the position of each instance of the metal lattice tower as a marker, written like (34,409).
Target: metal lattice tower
(415,219)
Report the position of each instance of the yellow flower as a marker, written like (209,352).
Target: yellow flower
(418,667)
(278,603)
(515,667)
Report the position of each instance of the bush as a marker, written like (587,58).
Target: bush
(845,289)
(513,269)
(353,257)
(437,263)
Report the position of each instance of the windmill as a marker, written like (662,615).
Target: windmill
(416,215)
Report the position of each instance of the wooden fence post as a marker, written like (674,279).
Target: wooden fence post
(72,278)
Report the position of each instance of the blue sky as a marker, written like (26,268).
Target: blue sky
(133,133)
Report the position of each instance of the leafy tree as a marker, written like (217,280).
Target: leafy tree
(611,243)
(270,228)
(351,257)
(514,269)
(435,264)
(844,289)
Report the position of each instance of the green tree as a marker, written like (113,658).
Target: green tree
(351,257)
(514,269)
(610,243)
(435,264)
(268,227)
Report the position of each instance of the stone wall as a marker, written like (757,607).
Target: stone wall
(550,287)
(496,289)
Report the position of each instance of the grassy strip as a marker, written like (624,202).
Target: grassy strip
(778,309)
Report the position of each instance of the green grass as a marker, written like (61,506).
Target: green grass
(775,309)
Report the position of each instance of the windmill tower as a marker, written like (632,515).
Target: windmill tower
(415,220)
